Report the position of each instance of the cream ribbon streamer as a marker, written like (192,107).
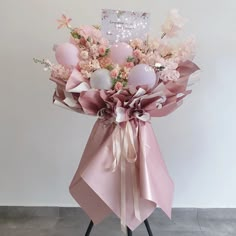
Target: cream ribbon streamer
(124,149)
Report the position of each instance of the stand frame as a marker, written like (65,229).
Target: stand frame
(129,232)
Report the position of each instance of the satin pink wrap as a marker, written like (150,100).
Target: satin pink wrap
(97,190)
(131,179)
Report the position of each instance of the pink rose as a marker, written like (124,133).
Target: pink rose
(102,50)
(129,65)
(82,41)
(114,73)
(118,86)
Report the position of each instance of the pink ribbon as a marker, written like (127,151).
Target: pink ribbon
(124,149)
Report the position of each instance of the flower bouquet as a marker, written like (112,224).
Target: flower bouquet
(124,83)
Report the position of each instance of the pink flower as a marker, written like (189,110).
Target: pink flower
(129,65)
(102,50)
(138,54)
(136,43)
(118,86)
(114,73)
(82,41)
(96,34)
(59,71)
(85,31)
(173,24)
(64,22)
(105,62)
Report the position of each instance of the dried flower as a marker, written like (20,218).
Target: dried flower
(173,24)
(153,44)
(137,43)
(186,51)
(64,22)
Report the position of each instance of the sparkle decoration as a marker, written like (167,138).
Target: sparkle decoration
(159,67)
(123,26)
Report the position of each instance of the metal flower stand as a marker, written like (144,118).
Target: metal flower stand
(129,232)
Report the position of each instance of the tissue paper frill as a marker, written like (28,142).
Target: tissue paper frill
(99,182)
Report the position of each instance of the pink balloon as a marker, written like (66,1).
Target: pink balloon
(67,54)
(120,52)
(142,74)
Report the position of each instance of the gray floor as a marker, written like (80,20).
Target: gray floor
(73,222)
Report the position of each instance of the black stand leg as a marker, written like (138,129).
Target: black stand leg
(148,227)
(129,231)
(89,228)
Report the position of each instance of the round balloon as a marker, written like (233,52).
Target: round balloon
(100,79)
(120,52)
(67,54)
(142,74)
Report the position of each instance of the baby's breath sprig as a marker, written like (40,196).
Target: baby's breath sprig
(47,64)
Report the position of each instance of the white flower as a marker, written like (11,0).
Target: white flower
(84,55)
(169,75)
(95,64)
(170,72)
(94,50)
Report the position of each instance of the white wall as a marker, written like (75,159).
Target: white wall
(41,144)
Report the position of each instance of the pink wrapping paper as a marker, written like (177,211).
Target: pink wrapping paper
(96,189)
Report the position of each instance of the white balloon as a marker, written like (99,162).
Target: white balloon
(100,79)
